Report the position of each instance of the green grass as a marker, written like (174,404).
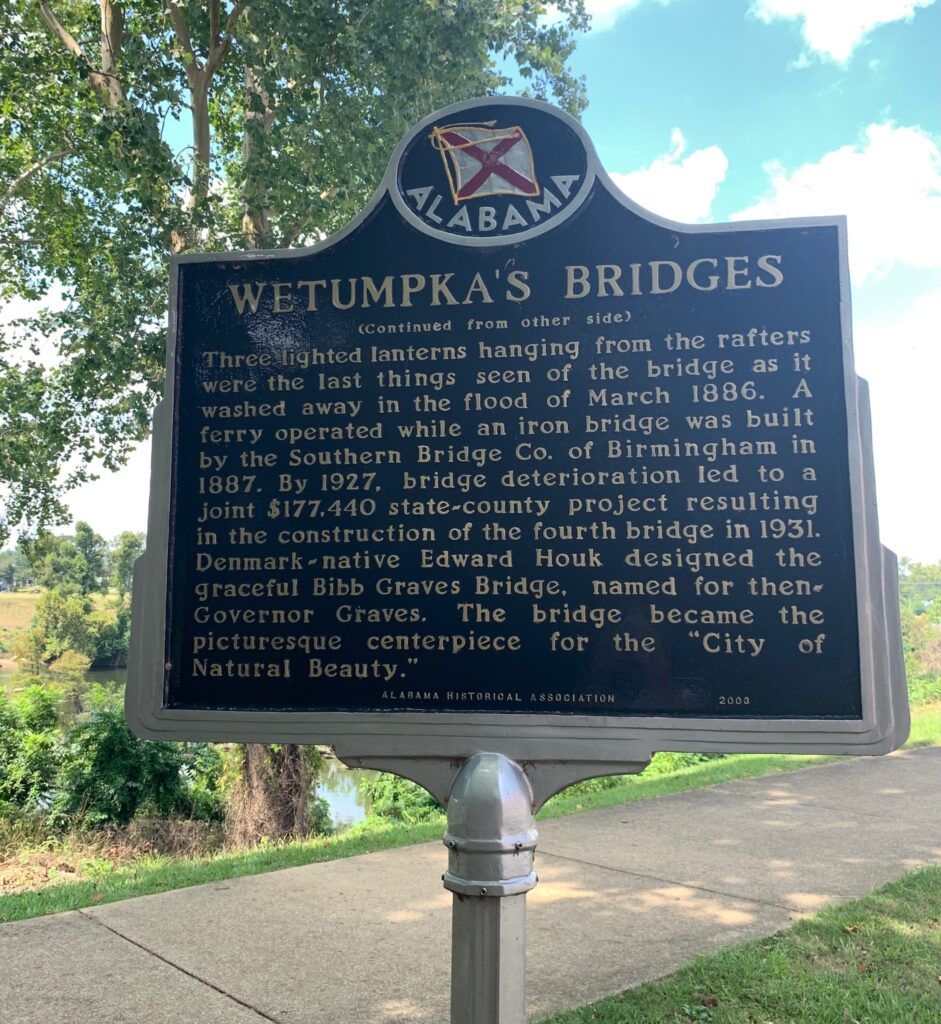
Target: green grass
(160,874)
(16,610)
(872,961)
(642,787)
(926,726)
(151,875)
(926,732)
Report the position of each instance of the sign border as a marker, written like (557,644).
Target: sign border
(379,736)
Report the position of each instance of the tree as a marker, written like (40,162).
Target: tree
(28,648)
(121,558)
(920,607)
(293,107)
(14,567)
(53,561)
(106,775)
(92,559)
(63,621)
(29,734)
(920,589)
(63,562)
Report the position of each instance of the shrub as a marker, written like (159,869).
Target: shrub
(29,747)
(595,785)
(663,763)
(107,775)
(397,799)
(112,637)
(666,762)
(71,667)
(201,768)
(318,816)
(37,708)
(923,689)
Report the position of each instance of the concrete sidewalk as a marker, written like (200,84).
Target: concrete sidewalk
(625,895)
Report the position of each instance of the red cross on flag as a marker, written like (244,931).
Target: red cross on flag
(481,160)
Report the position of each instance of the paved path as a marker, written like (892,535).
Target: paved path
(625,894)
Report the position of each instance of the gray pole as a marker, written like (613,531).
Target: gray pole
(491,839)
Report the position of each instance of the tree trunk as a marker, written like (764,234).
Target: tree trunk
(105,82)
(256,223)
(275,780)
(271,796)
(112,36)
(199,94)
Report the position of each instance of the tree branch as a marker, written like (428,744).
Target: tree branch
(289,236)
(13,240)
(233,17)
(255,216)
(181,29)
(24,176)
(213,24)
(65,37)
(104,82)
(217,53)
(112,36)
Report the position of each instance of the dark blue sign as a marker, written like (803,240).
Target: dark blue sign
(511,444)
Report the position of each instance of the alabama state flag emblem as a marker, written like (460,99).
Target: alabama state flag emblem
(483,160)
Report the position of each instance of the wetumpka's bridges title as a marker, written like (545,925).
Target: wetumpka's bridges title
(405,291)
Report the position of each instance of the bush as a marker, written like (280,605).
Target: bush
(37,708)
(923,689)
(318,816)
(112,637)
(107,775)
(667,762)
(71,667)
(29,747)
(396,799)
(95,772)
(201,768)
(664,763)
(595,785)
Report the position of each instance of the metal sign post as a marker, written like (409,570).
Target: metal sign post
(491,839)
(513,483)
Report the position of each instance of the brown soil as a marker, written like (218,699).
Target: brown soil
(78,857)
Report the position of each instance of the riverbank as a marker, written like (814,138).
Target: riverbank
(107,883)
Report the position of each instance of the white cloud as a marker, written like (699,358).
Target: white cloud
(677,186)
(901,359)
(889,187)
(834,28)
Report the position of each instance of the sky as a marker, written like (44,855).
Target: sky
(709,111)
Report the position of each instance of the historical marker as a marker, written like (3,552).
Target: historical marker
(511,464)
(512,483)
